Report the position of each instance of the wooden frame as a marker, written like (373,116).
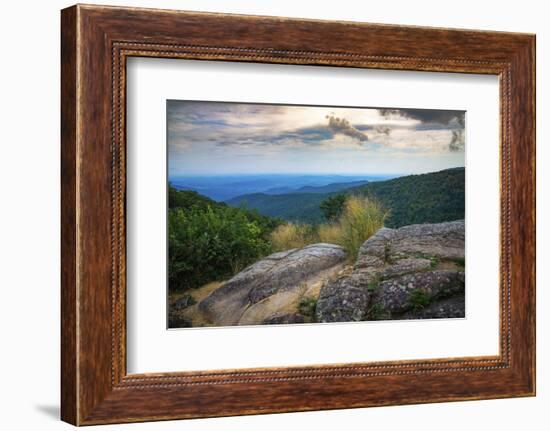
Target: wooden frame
(96,41)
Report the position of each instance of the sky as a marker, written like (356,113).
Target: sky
(219,138)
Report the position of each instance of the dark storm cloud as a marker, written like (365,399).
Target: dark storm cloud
(457,141)
(426,115)
(432,119)
(344,127)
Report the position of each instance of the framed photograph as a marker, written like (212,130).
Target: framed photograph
(285,214)
(260,217)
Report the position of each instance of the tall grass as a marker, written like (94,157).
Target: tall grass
(330,233)
(291,235)
(360,219)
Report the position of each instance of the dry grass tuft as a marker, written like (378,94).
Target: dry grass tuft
(360,219)
(291,235)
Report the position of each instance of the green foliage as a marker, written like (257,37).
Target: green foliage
(307,306)
(188,199)
(333,206)
(418,299)
(434,261)
(210,241)
(460,262)
(292,207)
(373,286)
(376,312)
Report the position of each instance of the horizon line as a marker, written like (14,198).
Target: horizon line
(343,174)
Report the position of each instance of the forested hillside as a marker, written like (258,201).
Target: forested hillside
(208,240)
(425,198)
(296,207)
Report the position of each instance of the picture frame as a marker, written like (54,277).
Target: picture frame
(96,42)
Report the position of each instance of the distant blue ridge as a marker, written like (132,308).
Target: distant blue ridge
(226,187)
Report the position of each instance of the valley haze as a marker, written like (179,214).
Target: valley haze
(227,187)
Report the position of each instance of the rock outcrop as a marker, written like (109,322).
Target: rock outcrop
(452,307)
(414,272)
(399,274)
(345,299)
(400,294)
(272,286)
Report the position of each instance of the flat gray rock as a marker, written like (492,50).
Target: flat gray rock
(280,272)
(439,240)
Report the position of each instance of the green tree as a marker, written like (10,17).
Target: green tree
(209,241)
(333,206)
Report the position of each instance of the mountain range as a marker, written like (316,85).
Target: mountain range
(227,187)
(432,197)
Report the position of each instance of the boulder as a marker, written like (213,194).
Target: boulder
(415,291)
(374,251)
(438,240)
(345,299)
(289,271)
(399,271)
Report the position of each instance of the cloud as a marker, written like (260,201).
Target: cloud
(440,116)
(343,126)
(384,130)
(433,119)
(239,129)
(457,141)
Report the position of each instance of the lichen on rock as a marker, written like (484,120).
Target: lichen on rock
(399,271)
(261,289)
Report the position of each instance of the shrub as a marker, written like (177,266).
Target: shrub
(291,235)
(360,219)
(210,244)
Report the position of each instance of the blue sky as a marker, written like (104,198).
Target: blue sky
(217,138)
